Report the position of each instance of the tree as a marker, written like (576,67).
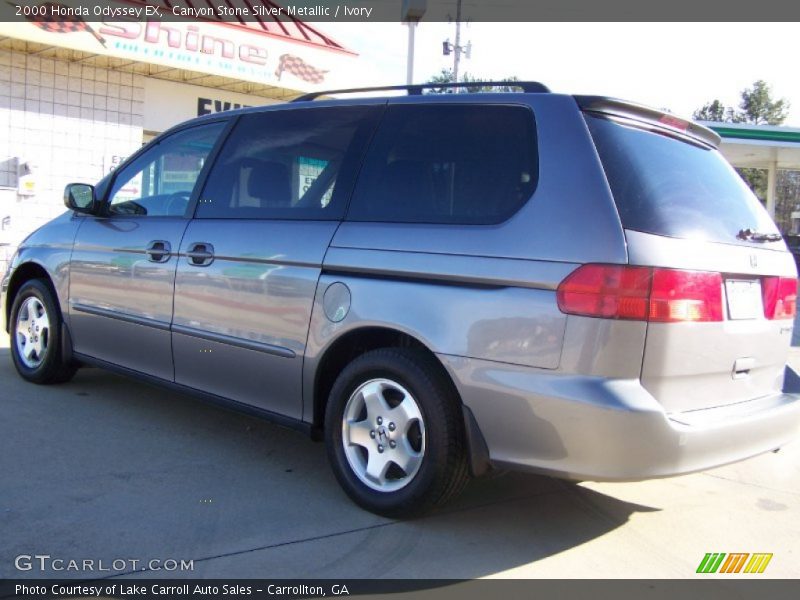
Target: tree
(446,76)
(711,111)
(756,107)
(788,189)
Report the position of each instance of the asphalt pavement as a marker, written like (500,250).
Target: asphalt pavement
(107,469)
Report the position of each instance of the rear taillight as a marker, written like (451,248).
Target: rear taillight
(609,291)
(641,293)
(685,296)
(780,297)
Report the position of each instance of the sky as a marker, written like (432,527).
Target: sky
(678,66)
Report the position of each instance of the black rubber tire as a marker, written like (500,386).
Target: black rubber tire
(53,369)
(444,470)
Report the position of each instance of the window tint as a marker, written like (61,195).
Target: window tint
(160,182)
(674,188)
(288,164)
(448,163)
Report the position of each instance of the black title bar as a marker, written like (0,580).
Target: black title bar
(276,11)
(707,588)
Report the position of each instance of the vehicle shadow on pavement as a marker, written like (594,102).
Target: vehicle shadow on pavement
(106,468)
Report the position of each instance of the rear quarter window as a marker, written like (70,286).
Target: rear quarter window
(674,188)
(448,163)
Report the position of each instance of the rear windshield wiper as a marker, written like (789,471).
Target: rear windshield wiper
(757,236)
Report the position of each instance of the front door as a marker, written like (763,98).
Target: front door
(251,257)
(122,272)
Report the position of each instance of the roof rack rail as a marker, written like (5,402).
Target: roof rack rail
(415,89)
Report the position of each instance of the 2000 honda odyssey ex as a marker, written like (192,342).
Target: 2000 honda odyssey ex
(438,284)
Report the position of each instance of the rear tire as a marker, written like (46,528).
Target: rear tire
(394,433)
(36,335)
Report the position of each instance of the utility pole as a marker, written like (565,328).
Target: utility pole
(457,49)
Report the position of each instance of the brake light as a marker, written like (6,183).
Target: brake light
(641,293)
(780,297)
(685,296)
(675,122)
(609,291)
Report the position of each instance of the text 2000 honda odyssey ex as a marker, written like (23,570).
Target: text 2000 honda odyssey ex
(572,285)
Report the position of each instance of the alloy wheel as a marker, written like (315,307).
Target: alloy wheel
(383,435)
(32,332)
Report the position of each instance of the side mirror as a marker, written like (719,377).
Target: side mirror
(80,197)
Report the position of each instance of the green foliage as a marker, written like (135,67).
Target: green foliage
(756,107)
(446,76)
(788,190)
(756,179)
(712,111)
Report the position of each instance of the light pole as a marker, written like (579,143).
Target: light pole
(411,12)
(412,26)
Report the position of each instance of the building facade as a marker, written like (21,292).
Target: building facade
(75,103)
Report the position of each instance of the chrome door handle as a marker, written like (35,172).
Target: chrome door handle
(200,254)
(158,251)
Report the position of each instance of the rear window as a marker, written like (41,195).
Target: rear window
(674,188)
(447,163)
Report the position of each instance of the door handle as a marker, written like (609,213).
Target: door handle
(158,251)
(200,254)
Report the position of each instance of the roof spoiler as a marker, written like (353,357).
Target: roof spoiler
(651,116)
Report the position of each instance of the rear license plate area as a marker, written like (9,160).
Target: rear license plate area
(744,299)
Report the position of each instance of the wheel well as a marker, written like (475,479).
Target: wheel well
(349,347)
(25,272)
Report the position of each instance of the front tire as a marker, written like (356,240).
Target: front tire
(36,335)
(394,432)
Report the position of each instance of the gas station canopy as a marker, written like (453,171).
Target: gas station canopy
(760,147)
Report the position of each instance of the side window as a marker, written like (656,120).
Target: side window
(296,163)
(448,163)
(160,181)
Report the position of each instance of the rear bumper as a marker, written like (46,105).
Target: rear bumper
(600,429)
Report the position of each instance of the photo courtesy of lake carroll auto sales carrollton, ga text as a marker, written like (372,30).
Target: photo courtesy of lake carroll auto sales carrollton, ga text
(320,299)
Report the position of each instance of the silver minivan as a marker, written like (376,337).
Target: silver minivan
(436,285)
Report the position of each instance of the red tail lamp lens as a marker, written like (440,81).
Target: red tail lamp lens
(608,291)
(780,297)
(686,296)
(641,293)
